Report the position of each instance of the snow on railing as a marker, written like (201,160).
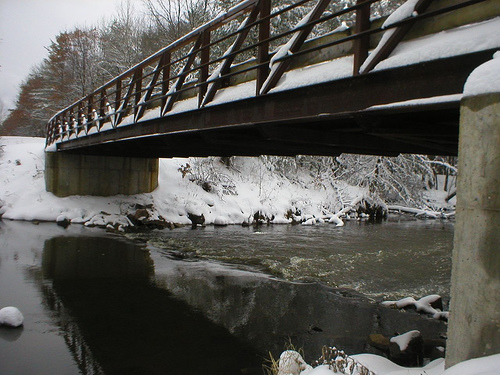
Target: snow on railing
(244,44)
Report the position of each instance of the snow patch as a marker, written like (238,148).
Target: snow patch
(485,79)
(404,340)
(11,316)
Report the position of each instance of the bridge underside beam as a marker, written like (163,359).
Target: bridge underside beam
(363,133)
(352,115)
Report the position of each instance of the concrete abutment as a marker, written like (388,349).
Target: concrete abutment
(474,328)
(72,174)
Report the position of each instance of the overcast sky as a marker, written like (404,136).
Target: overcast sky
(27,27)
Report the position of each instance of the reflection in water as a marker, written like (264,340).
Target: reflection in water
(71,333)
(114,307)
(10,334)
(122,324)
(69,261)
(267,312)
(66,258)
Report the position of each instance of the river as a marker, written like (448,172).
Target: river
(213,300)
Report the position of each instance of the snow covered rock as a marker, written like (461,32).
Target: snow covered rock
(63,221)
(432,305)
(405,339)
(220,221)
(336,220)
(311,221)
(291,363)
(11,316)
(407,349)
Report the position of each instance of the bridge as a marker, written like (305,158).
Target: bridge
(340,80)
(220,90)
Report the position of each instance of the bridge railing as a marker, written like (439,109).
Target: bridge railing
(249,42)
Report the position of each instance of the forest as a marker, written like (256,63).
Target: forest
(80,60)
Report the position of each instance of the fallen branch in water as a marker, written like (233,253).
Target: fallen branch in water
(336,218)
(421,212)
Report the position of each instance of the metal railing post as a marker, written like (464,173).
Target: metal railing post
(165,84)
(138,90)
(118,98)
(361,44)
(263,49)
(204,63)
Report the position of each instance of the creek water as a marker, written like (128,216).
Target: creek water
(211,300)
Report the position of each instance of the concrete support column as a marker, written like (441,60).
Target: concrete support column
(474,328)
(71,174)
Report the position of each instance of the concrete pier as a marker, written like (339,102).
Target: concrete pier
(69,174)
(474,328)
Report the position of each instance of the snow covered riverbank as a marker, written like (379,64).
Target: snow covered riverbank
(250,190)
(291,363)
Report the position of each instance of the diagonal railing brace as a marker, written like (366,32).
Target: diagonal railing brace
(393,41)
(294,45)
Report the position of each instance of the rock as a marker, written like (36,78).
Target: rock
(379,341)
(11,316)
(407,349)
(374,210)
(435,301)
(437,352)
(196,219)
(3,208)
(139,216)
(63,221)
(258,218)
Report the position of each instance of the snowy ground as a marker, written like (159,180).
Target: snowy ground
(237,193)
(291,363)
(223,195)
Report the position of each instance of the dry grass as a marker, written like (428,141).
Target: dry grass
(271,365)
(341,363)
(335,359)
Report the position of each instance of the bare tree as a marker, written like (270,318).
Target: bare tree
(3,112)
(175,18)
(121,40)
